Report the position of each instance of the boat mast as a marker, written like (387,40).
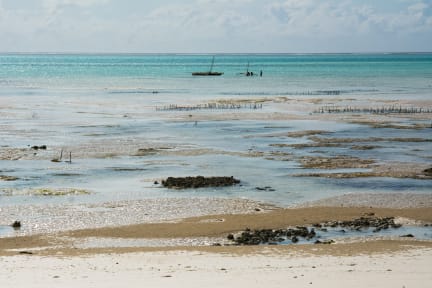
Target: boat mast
(211,66)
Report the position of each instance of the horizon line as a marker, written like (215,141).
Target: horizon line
(215,53)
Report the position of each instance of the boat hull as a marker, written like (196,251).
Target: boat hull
(207,73)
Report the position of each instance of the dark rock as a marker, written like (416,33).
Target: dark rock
(428,171)
(265,236)
(408,236)
(198,182)
(311,234)
(266,188)
(324,242)
(156,183)
(42,147)
(364,223)
(26,252)
(16,225)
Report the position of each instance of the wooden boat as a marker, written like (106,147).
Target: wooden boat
(247,73)
(208,73)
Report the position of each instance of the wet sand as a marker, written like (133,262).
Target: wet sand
(191,231)
(48,219)
(58,260)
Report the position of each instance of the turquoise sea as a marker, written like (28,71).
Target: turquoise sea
(382,74)
(76,101)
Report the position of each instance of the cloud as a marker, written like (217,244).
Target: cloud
(329,18)
(202,24)
(216,25)
(50,4)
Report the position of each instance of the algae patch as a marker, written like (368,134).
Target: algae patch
(45,192)
(335,162)
(8,178)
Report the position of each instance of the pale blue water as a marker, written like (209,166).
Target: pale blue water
(52,92)
(389,74)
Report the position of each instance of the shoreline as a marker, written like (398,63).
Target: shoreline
(58,259)
(205,229)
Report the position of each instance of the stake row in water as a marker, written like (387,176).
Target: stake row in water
(374,110)
(209,106)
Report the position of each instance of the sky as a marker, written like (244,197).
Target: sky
(215,26)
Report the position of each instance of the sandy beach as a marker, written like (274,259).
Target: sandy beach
(409,268)
(146,253)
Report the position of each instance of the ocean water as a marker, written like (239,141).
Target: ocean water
(83,100)
(365,74)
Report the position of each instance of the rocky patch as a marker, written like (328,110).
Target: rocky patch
(8,178)
(363,223)
(198,182)
(428,172)
(273,237)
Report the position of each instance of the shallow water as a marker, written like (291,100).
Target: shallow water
(419,233)
(6,231)
(102,108)
(340,235)
(132,177)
